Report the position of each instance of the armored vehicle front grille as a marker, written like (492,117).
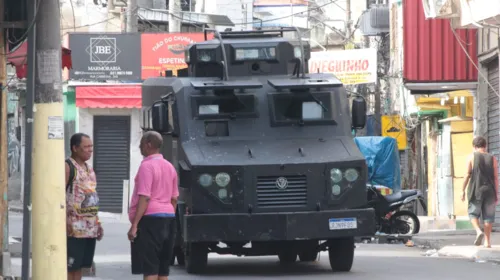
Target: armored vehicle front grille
(290,191)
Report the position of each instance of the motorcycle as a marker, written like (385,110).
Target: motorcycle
(389,210)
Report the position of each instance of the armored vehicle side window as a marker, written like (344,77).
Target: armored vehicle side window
(305,108)
(224,106)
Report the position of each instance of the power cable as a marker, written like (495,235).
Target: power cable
(472,61)
(25,35)
(246,23)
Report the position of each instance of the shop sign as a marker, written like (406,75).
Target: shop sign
(395,127)
(165,51)
(105,56)
(352,67)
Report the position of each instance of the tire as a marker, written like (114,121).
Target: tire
(196,258)
(341,253)
(287,256)
(308,256)
(416,221)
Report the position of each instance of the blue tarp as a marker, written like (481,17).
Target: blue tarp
(382,158)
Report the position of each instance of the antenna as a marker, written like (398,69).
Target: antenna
(302,55)
(224,57)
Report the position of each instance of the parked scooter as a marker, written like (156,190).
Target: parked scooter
(389,210)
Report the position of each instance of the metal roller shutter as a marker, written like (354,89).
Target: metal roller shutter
(494,119)
(111,159)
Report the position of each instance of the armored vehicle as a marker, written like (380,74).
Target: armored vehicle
(264,150)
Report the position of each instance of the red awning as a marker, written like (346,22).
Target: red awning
(125,96)
(18,57)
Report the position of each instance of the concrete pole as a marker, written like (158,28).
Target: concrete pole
(348,19)
(49,198)
(132,11)
(174,22)
(4,174)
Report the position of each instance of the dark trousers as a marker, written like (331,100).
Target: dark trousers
(152,248)
(80,253)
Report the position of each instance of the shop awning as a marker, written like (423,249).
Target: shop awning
(19,59)
(120,96)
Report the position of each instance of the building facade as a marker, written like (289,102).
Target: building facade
(434,79)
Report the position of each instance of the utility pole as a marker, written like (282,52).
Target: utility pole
(4,175)
(174,23)
(49,198)
(132,16)
(28,145)
(348,20)
(378,117)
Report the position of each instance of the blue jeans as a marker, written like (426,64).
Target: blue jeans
(486,208)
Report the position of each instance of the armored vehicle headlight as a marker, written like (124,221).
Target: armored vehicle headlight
(222,179)
(336,175)
(206,180)
(336,189)
(351,174)
(222,193)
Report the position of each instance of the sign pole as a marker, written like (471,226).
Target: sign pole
(28,145)
(4,174)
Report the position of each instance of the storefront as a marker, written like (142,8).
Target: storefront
(494,114)
(109,114)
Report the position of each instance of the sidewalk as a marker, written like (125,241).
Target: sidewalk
(459,244)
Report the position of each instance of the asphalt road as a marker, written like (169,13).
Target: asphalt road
(372,262)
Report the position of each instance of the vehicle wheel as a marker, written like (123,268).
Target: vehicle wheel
(341,253)
(308,256)
(287,256)
(400,226)
(196,258)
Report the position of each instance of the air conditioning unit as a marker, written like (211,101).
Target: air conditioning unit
(441,8)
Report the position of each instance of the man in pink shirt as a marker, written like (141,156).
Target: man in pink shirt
(152,211)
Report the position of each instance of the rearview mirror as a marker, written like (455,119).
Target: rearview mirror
(160,117)
(358,112)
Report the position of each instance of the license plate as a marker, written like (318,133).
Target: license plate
(344,223)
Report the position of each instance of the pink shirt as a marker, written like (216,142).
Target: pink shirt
(156,179)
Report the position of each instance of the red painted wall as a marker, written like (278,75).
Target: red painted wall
(432,53)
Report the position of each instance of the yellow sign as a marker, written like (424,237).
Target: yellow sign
(395,127)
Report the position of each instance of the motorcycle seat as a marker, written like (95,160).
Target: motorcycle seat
(401,195)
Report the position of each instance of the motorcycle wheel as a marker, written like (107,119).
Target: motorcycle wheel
(396,222)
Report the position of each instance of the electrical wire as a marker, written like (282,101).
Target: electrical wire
(25,35)
(472,61)
(73,11)
(251,22)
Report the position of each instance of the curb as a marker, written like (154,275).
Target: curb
(428,243)
(438,240)
(471,252)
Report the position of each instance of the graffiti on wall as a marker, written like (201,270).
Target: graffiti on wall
(14,147)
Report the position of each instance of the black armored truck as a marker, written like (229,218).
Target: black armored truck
(264,151)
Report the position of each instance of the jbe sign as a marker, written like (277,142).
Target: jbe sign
(105,56)
(103,50)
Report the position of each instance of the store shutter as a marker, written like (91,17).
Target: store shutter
(494,118)
(111,159)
